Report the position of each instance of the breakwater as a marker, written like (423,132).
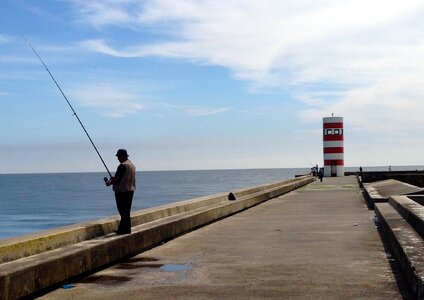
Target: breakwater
(397,200)
(50,258)
(402,224)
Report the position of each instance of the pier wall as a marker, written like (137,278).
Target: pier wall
(32,263)
(401,220)
(398,206)
(412,177)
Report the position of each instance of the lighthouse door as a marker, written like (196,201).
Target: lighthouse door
(333,169)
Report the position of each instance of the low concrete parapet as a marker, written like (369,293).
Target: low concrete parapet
(402,223)
(15,248)
(34,272)
(410,210)
(380,191)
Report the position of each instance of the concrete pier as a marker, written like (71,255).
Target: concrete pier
(31,264)
(318,242)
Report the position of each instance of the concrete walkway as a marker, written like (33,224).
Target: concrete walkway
(319,242)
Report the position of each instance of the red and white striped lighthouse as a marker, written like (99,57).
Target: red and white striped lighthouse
(333,146)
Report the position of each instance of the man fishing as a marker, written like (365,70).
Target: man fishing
(124,186)
(124,180)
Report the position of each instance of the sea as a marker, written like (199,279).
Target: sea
(34,202)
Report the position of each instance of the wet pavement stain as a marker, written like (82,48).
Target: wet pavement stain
(138,263)
(175,268)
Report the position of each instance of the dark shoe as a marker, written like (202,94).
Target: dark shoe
(122,232)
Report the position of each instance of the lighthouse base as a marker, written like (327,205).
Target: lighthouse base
(333,171)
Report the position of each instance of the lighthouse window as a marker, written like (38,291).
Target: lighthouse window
(336,131)
(329,132)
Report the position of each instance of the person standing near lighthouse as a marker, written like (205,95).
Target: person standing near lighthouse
(124,186)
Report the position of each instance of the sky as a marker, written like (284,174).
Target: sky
(204,84)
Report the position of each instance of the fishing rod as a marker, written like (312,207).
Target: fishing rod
(67,101)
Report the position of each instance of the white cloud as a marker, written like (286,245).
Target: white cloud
(12,59)
(390,106)
(105,12)
(358,58)
(206,111)
(196,110)
(109,100)
(3,39)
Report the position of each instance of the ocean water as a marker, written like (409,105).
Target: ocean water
(33,202)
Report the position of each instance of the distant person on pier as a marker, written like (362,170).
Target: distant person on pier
(321,174)
(124,186)
(314,170)
(390,168)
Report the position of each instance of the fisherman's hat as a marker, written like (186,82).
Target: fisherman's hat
(122,153)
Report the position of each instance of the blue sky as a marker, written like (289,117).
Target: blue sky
(210,84)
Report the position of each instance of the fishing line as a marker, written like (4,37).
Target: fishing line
(67,101)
